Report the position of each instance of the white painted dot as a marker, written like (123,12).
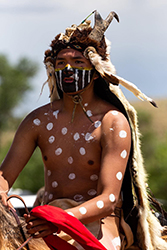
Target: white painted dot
(94,177)
(119,176)
(114,112)
(54,184)
(116,242)
(82,210)
(78,197)
(86,104)
(76,136)
(88,137)
(70,213)
(50,196)
(112,197)
(55,113)
(82,151)
(111,129)
(51,139)
(89,113)
(122,134)
(100,204)
(46,193)
(92,192)
(72,176)
(37,122)
(97,124)
(124,154)
(49,173)
(64,131)
(58,151)
(49,126)
(70,160)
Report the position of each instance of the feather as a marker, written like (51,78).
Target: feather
(107,71)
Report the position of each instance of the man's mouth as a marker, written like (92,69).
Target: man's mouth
(68,79)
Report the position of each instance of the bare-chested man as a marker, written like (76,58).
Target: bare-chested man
(84,139)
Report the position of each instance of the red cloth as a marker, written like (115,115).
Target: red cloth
(69,225)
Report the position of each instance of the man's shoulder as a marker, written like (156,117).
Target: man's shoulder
(114,116)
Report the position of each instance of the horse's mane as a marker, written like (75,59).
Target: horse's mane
(10,236)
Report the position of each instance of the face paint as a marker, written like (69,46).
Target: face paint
(119,176)
(124,154)
(71,80)
(37,122)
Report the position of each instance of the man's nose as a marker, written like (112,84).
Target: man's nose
(68,69)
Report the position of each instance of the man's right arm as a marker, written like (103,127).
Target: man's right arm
(23,145)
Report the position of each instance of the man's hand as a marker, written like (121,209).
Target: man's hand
(38,227)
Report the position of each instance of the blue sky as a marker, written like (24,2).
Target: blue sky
(139,41)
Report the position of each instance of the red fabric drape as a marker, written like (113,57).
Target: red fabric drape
(69,225)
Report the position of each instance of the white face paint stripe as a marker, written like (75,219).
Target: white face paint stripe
(83,78)
(76,80)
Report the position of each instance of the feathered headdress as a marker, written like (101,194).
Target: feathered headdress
(93,44)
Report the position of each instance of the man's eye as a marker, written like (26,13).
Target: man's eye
(60,63)
(78,62)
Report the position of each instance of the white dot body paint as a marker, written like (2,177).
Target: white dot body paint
(55,113)
(70,160)
(124,154)
(119,176)
(114,112)
(76,136)
(54,184)
(92,192)
(82,210)
(82,151)
(88,137)
(58,151)
(97,124)
(50,196)
(49,173)
(100,204)
(89,113)
(116,242)
(51,139)
(111,129)
(70,213)
(64,131)
(86,104)
(71,176)
(37,122)
(94,177)
(78,197)
(122,134)
(49,126)
(112,197)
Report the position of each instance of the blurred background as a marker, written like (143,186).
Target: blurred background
(138,51)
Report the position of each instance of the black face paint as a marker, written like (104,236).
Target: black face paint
(72,79)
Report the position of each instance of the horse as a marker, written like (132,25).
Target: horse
(10,235)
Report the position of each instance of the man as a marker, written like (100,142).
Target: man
(87,137)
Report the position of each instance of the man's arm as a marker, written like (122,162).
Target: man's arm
(20,151)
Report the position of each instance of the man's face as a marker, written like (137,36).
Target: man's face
(72,70)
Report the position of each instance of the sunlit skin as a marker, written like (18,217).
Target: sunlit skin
(71,161)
